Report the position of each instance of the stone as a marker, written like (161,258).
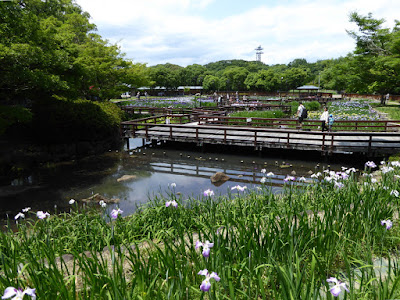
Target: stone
(126,178)
(219,178)
(97,198)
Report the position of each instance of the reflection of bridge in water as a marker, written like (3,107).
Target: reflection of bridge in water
(207,169)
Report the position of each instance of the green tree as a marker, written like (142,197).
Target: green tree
(235,77)
(212,83)
(377,54)
(340,75)
(166,75)
(294,77)
(265,80)
(49,48)
(192,75)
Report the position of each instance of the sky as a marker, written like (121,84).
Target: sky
(186,32)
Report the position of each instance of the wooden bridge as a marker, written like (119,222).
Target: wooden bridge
(221,130)
(222,109)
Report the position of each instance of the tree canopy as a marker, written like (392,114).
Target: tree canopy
(51,48)
(374,67)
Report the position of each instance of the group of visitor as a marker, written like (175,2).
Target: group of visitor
(326,118)
(139,94)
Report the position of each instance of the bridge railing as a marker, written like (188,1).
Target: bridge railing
(339,125)
(287,109)
(326,142)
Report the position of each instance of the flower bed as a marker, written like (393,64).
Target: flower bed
(311,242)
(173,102)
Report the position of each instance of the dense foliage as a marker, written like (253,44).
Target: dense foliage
(374,67)
(63,121)
(13,116)
(49,47)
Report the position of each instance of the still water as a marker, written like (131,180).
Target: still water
(51,187)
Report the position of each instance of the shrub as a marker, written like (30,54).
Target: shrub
(59,120)
(312,106)
(13,116)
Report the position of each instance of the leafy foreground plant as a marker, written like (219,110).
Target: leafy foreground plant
(332,237)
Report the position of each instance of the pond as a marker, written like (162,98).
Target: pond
(50,187)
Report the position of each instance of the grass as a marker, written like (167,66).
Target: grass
(259,114)
(392,109)
(266,246)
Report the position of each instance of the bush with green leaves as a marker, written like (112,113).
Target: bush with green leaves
(58,120)
(313,105)
(13,116)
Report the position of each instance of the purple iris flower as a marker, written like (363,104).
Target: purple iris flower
(336,289)
(173,203)
(115,213)
(208,193)
(370,164)
(206,247)
(289,178)
(388,224)
(18,293)
(338,185)
(206,285)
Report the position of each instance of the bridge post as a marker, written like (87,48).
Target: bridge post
(333,137)
(288,140)
(224,135)
(133,130)
(370,144)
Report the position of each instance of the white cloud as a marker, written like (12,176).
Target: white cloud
(180,31)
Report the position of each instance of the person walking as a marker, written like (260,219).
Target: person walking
(300,115)
(324,119)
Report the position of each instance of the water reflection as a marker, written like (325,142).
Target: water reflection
(154,168)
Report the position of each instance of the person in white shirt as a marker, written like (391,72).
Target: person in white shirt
(324,119)
(300,114)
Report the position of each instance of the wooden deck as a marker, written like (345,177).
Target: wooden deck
(368,143)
